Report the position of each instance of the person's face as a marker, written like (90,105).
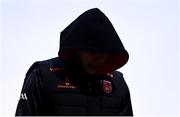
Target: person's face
(91,61)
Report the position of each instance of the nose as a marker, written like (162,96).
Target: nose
(99,56)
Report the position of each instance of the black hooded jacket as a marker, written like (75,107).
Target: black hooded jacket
(59,86)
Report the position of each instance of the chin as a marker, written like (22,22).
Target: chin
(91,72)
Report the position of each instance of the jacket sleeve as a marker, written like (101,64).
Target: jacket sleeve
(31,97)
(125,106)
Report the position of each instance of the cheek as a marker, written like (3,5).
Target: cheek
(105,58)
(86,59)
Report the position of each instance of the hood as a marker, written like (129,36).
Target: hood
(92,31)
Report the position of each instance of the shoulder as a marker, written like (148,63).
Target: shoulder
(56,61)
(118,76)
(34,74)
(119,81)
(117,73)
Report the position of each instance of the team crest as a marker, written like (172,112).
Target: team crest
(107,86)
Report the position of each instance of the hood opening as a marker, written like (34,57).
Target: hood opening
(114,61)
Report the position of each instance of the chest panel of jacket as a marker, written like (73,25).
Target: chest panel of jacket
(66,98)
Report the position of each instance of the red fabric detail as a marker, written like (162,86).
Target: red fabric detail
(65,54)
(107,86)
(115,60)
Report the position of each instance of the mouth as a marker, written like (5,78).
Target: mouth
(94,66)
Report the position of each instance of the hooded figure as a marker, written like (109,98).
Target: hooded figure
(83,79)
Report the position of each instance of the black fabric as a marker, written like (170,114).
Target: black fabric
(92,31)
(45,98)
(60,86)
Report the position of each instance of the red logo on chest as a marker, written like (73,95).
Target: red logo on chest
(107,86)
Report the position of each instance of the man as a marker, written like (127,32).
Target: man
(83,79)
